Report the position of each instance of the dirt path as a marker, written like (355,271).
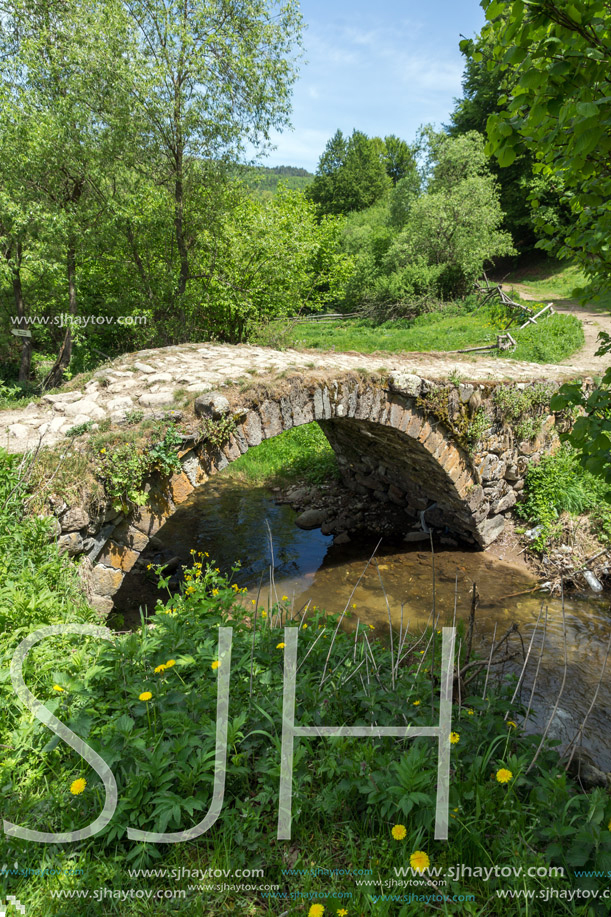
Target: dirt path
(593,323)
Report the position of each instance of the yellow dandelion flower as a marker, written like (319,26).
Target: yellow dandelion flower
(511,724)
(342,912)
(454,738)
(280,646)
(77,786)
(190,590)
(399,832)
(503,775)
(416,703)
(215,592)
(317,910)
(215,664)
(102,451)
(159,668)
(419,861)
(146,695)
(170,663)
(58,688)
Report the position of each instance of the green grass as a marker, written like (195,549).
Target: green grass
(302,453)
(554,339)
(556,280)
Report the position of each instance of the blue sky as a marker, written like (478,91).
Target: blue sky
(382,66)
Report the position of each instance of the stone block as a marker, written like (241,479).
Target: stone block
(271,417)
(407,383)
(71,544)
(489,530)
(213,406)
(252,429)
(180,488)
(106,580)
(118,556)
(74,519)
(127,535)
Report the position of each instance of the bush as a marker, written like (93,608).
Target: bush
(560,484)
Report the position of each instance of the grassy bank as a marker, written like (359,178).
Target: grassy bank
(145,702)
(455,328)
(300,454)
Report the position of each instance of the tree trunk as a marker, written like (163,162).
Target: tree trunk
(26,350)
(183,253)
(65,351)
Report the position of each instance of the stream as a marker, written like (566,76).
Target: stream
(233,520)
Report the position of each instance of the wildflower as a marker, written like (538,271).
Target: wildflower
(217,570)
(77,786)
(454,738)
(149,566)
(470,712)
(215,664)
(252,602)
(215,592)
(416,703)
(317,910)
(280,646)
(58,688)
(146,695)
(304,626)
(419,861)
(342,912)
(354,606)
(399,832)
(189,590)
(285,598)
(503,775)
(263,614)
(170,663)
(371,627)
(235,586)
(511,724)
(421,652)
(206,554)
(159,668)
(102,451)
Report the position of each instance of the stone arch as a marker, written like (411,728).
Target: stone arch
(384,441)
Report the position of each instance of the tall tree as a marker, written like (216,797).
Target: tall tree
(556,58)
(351,174)
(205,77)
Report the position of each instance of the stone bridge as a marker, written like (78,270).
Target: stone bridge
(427,432)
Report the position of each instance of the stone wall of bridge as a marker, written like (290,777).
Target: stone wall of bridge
(441,450)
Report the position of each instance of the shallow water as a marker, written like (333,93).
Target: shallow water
(233,521)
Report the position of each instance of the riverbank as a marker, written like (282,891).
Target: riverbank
(554,546)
